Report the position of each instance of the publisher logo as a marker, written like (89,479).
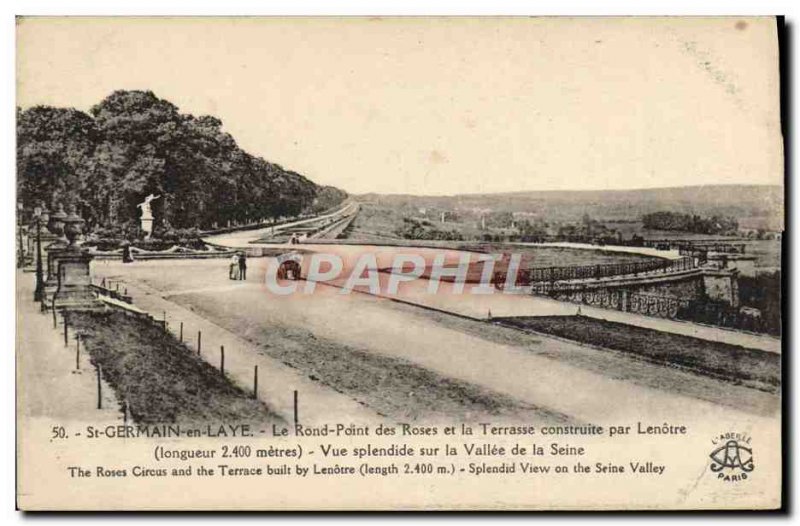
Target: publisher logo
(732,457)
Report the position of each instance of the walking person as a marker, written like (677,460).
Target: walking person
(242,266)
(234,267)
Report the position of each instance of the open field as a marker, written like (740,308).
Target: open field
(543,256)
(767,251)
(533,256)
(756,206)
(381,217)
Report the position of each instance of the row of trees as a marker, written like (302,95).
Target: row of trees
(425,230)
(690,223)
(133,144)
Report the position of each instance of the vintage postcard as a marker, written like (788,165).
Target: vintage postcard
(399,263)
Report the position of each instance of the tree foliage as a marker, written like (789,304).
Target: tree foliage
(690,223)
(133,144)
(425,230)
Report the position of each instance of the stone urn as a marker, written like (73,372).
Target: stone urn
(73,227)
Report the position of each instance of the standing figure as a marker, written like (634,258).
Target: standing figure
(242,266)
(234,270)
(127,255)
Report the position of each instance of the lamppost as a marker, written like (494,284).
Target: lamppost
(21,250)
(40,217)
(56,225)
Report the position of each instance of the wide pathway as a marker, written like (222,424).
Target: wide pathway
(502,304)
(535,375)
(53,379)
(244,238)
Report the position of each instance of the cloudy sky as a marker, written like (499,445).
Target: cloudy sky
(443,106)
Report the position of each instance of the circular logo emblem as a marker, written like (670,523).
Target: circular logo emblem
(732,458)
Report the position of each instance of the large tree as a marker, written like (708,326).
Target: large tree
(55,147)
(134,144)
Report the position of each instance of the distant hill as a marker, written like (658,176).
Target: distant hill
(755,206)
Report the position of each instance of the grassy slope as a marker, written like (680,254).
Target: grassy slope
(737,364)
(160,379)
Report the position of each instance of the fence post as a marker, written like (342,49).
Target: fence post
(222,360)
(199,341)
(181,338)
(66,334)
(78,352)
(295,408)
(99,388)
(255,381)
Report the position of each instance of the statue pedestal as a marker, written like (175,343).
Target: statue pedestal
(723,285)
(74,288)
(46,238)
(54,252)
(147,227)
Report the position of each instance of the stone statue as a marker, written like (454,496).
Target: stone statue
(147,214)
(147,211)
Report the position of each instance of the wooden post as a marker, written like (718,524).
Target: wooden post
(181,332)
(255,381)
(222,360)
(165,320)
(66,334)
(99,388)
(78,352)
(295,407)
(199,341)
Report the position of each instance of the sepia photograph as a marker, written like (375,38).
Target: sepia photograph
(391,263)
